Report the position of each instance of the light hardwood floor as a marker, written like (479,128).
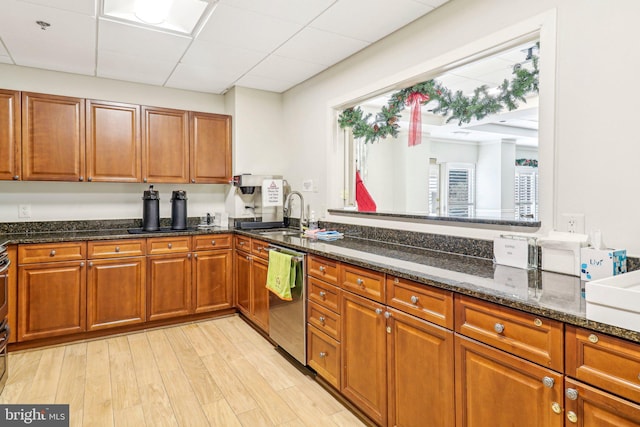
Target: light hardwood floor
(213,373)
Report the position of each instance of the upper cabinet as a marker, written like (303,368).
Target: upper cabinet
(59,138)
(210,136)
(52,138)
(113,142)
(10,134)
(165,136)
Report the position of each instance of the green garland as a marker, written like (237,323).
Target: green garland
(454,104)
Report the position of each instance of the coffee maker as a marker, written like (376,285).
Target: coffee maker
(250,192)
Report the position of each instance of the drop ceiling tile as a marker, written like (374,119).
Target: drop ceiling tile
(300,12)
(433,3)
(286,69)
(319,46)
(136,41)
(265,83)
(341,18)
(133,68)
(201,79)
(217,55)
(248,30)
(67,45)
(85,7)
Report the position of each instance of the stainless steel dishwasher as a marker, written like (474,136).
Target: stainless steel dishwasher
(287,319)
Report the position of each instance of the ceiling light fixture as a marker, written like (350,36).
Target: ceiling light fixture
(43,25)
(152,11)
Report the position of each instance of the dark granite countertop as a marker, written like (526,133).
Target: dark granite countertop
(556,296)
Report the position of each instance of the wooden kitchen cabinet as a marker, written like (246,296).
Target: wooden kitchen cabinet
(495,388)
(168,277)
(210,149)
(252,296)
(212,282)
(588,406)
(113,146)
(10,135)
(53,138)
(116,285)
(364,355)
(165,145)
(420,370)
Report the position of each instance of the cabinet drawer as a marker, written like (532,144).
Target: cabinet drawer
(258,248)
(49,252)
(428,303)
(325,320)
(168,245)
(323,354)
(324,294)
(211,241)
(243,243)
(603,361)
(322,268)
(363,282)
(532,337)
(116,248)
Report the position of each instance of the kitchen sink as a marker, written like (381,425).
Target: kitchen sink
(276,233)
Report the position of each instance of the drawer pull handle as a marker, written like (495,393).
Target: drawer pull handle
(323,354)
(498,327)
(555,407)
(321,319)
(593,338)
(170,245)
(359,281)
(322,294)
(571,393)
(387,315)
(117,248)
(53,253)
(213,243)
(322,269)
(571,416)
(378,311)
(414,299)
(537,322)
(548,382)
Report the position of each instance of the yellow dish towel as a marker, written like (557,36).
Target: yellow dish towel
(279,272)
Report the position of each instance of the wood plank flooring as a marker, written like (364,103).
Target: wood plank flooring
(217,372)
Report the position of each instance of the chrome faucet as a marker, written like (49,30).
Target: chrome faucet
(287,207)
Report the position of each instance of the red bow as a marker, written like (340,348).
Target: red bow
(415,99)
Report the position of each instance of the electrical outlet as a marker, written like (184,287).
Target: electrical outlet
(24,211)
(573,223)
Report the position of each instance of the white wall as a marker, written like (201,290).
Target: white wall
(592,168)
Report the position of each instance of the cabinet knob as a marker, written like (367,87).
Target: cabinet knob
(82,264)
(378,311)
(322,269)
(537,322)
(498,327)
(323,354)
(213,243)
(90,263)
(556,408)
(571,393)
(359,281)
(322,294)
(90,179)
(16,177)
(52,253)
(321,319)
(548,382)
(593,338)
(248,258)
(117,249)
(414,299)
(387,314)
(188,256)
(396,280)
(195,255)
(81,178)
(571,416)
(241,243)
(193,181)
(170,245)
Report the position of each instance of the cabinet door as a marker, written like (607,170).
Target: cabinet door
(494,388)
(589,407)
(210,148)
(260,293)
(364,355)
(242,281)
(10,134)
(420,369)
(113,142)
(169,290)
(212,280)
(116,292)
(165,136)
(52,138)
(51,300)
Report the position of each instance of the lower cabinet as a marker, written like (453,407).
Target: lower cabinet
(494,388)
(252,296)
(588,406)
(51,299)
(169,286)
(212,280)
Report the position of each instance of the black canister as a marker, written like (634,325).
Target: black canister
(179,210)
(151,210)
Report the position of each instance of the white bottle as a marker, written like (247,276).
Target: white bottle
(313,222)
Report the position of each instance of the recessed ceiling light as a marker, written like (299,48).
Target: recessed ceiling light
(184,17)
